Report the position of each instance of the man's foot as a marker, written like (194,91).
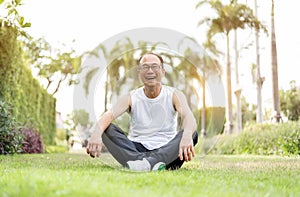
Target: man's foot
(144,166)
(139,165)
(159,166)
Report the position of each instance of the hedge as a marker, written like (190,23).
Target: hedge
(262,139)
(31,103)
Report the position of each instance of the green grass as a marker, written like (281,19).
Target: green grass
(79,175)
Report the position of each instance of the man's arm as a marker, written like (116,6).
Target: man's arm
(95,142)
(186,147)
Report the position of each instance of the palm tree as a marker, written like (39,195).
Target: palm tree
(120,73)
(119,57)
(94,71)
(205,64)
(229,17)
(188,68)
(259,80)
(276,101)
(238,90)
(210,67)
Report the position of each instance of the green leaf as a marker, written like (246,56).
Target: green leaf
(10,12)
(1,1)
(26,25)
(18,2)
(21,21)
(23,34)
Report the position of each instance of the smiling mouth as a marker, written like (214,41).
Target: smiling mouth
(150,78)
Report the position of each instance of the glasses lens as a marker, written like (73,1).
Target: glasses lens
(154,67)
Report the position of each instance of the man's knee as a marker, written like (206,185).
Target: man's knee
(112,131)
(194,136)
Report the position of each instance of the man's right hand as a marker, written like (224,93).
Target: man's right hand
(94,146)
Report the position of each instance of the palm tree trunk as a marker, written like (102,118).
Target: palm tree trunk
(238,89)
(106,93)
(203,119)
(276,102)
(229,119)
(259,81)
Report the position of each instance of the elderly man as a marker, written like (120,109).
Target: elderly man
(153,142)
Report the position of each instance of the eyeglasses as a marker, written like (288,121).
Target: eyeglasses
(154,67)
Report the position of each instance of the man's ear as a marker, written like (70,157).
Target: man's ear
(164,71)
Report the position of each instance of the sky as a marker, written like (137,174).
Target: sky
(91,22)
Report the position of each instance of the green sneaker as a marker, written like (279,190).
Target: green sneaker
(160,166)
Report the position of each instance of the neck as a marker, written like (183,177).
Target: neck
(152,91)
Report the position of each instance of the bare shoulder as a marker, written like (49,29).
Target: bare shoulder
(178,95)
(125,99)
(122,105)
(179,100)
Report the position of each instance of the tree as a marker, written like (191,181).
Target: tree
(12,17)
(53,66)
(188,68)
(210,67)
(229,17)
(276,101)
(122,64)
(248,111)
(259,80)
(80,117)
(290,101)
(207,65)
(78,125)
(119,59)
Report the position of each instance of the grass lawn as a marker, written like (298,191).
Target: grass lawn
(79,175)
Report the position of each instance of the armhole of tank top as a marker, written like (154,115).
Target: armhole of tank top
(131,99)
(172,106)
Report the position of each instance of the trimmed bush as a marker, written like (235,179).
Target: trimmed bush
(10,138)
(32,142)
(31,104)
(263,139)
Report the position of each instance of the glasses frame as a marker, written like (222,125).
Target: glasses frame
(146,67)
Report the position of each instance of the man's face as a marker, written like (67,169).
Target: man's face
(150,70)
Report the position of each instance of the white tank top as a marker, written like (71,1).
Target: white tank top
(153,121)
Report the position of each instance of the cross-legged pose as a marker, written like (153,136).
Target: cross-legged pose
(153,141)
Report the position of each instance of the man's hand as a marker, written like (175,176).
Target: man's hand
(94,146)
(186,147)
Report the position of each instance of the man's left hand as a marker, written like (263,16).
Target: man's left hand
(186,147)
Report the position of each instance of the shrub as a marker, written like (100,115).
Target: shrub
(32,142)
(30,102)
(263,139)
(56,149)
(60,137)
(291,141)
(10,137)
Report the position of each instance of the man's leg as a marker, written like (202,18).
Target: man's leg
(169,153)
(177,163)
(121,148)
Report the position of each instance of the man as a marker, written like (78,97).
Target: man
(153,142)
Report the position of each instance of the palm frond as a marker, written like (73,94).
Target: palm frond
(88,77)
